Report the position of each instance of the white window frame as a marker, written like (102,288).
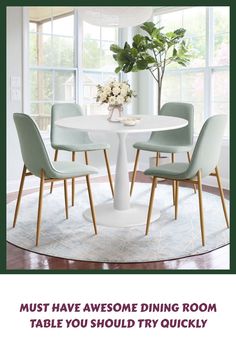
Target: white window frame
(208,69)
(97,70)
(27,67)
(78,68)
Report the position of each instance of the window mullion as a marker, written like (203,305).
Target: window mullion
(53,71)
(210,36)
(122,36)
(53,86)
(100,59)
(209,61)
(26,65)
(78,59)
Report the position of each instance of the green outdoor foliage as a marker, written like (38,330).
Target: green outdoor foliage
(152,51)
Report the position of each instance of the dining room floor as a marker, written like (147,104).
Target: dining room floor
(20,259)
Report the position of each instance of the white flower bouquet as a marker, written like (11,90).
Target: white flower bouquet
(114,93)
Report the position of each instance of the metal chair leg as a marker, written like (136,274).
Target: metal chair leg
(109,172)
(134,171)
(199,175)
(222,195)
(73,182)
(40,203)
(66,197)
(172,157)
(189,159)
(158,155)
(55,159)
(157,158)
(154,181)
(86,157)
(173,183)
(91,204)
(173,191)
(19,195)
(176,198)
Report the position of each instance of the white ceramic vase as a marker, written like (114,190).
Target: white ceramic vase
(115,112)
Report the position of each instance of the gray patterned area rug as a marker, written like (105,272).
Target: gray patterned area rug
(74,238)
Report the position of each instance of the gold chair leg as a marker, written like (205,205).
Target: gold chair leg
(19,195)
(66,198)
(176,198)
(173,191)
(157,159)
(222,196)
(91,204)
(134,171)
(172,157)
(86,157)
(109,172)
(199,175)
(154,182)
(157,163)
(40,206)
(189,159)
(55,159)
(73,183)
(173,183)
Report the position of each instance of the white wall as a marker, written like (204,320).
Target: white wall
(14,69)
(141,82)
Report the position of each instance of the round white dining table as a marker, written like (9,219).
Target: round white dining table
(121,212)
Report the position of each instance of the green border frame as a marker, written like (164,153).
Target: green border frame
(3,133)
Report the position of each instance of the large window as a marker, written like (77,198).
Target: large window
(205,82)
(51,59)
(67,59)
(98,63)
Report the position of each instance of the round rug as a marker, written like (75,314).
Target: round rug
(74,238)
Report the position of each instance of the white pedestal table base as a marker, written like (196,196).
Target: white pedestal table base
(122,213)
(136,215)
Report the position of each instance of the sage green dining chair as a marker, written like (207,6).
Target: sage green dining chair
(203,163)
(73,140)
(171,141)
(37,163)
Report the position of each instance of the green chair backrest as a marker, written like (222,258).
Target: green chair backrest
(33,150)
(182,136)
(207,149)
(62,136)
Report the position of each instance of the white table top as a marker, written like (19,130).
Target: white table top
(100,123)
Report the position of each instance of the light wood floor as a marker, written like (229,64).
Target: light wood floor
(21,259)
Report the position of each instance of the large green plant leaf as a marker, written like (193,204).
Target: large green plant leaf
(115,48)
(152,51)
(149,27)
(142,64)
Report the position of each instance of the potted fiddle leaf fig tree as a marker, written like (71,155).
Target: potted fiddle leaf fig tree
(152,51)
